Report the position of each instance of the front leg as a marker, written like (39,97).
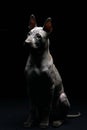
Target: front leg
(45,108)
(46,91)
(31,119)
(31,98)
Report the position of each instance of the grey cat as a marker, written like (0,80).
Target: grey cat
(47,100)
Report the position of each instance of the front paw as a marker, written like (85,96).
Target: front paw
(44,124)
(57,123)
(28,123)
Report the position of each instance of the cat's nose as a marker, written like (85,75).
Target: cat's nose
(27,43)
(27,40)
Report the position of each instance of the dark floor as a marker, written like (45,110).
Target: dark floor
(13,113)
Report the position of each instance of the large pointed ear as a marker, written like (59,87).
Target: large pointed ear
(48,25)
(32,22)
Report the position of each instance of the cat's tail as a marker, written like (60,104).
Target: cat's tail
(73,115)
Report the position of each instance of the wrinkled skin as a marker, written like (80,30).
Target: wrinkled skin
(47,99)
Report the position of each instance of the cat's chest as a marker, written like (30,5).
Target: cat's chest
(39,76)
(37,71)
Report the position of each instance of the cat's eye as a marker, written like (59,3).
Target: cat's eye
(38,36)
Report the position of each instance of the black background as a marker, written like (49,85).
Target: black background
(68,44)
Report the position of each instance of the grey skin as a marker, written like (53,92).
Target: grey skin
(48,102)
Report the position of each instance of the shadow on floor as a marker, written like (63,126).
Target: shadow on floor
(13,113)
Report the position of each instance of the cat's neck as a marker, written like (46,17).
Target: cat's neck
(38,59)
(40,53)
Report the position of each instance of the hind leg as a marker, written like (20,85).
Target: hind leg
(64,105)
(61,107)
